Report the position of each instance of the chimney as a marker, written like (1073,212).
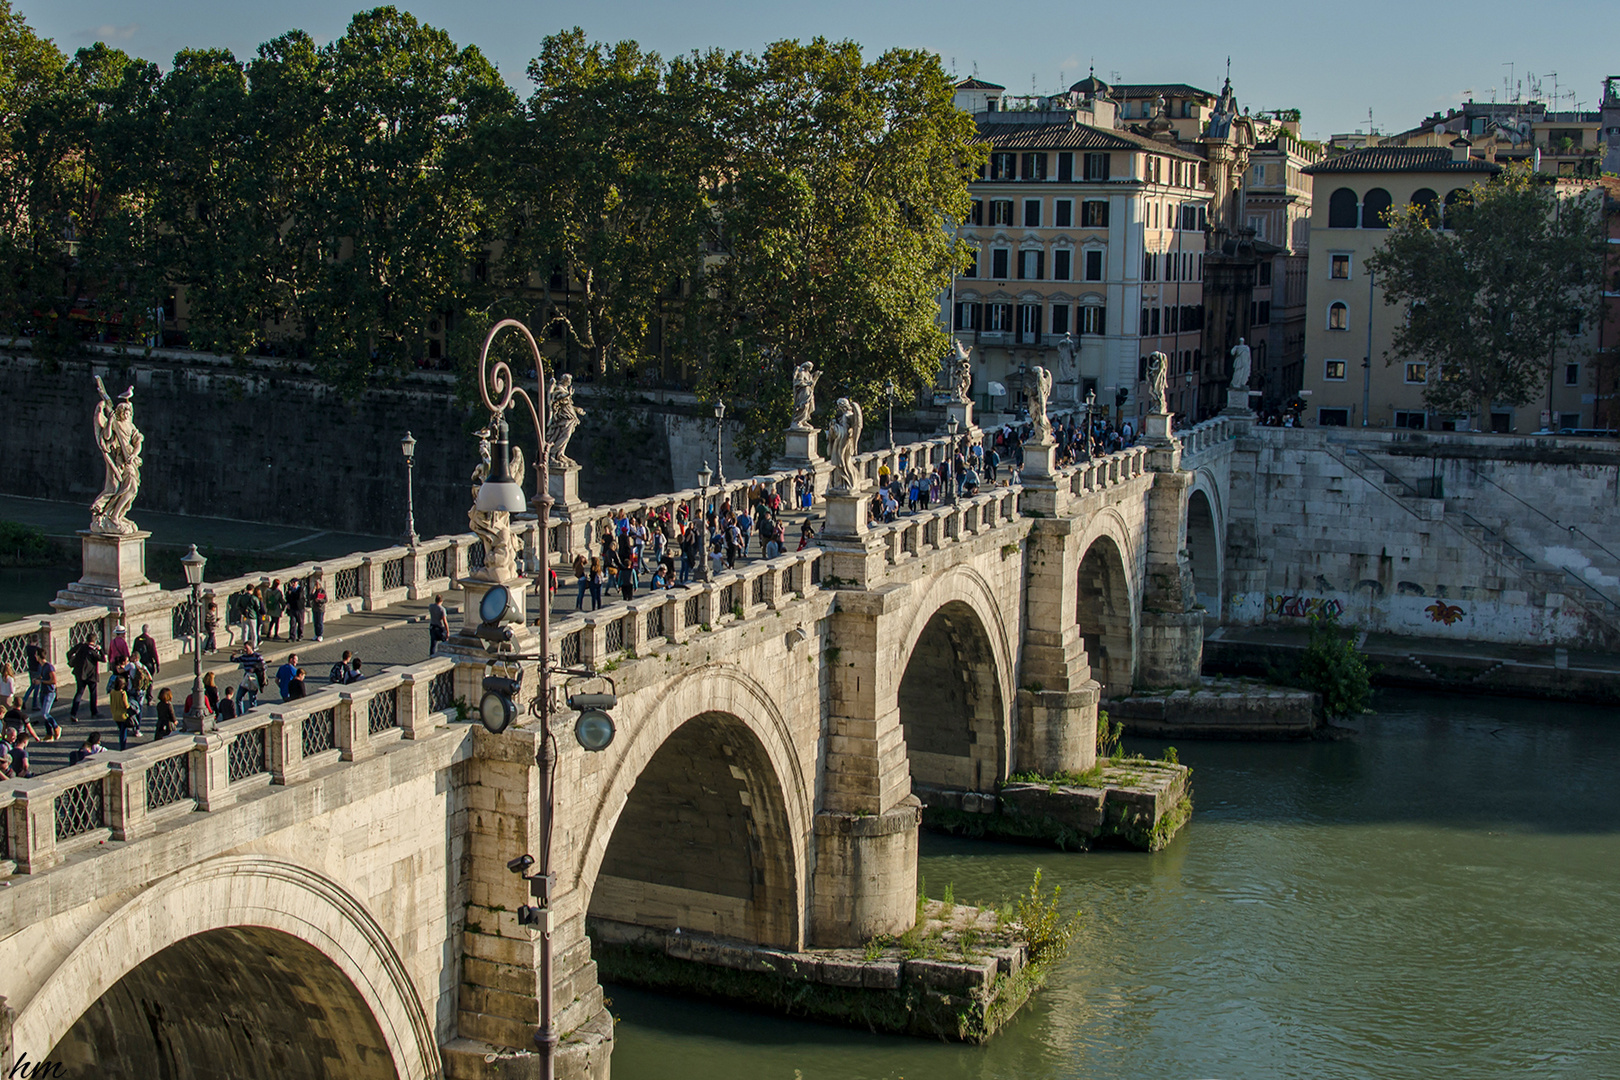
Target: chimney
(1459,148)
(1489,153)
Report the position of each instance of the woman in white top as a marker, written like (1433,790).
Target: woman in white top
(8,685)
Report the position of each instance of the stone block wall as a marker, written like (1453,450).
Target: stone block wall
(1341,521)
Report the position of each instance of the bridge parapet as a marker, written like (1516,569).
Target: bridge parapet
(937,528)
(1213,436)
(124,795)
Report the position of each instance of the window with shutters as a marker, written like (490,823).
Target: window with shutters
(1063,213)
(1060,319)
(1029,265)
(1003,166)
(972,269)
(1065,168)
(1094,265)
(1154,319)
(1150,266)
(998,318)
(1097,166)
(1094,214)
(1060,265)
(1572,374)
(976,215)
(1001,212)
(1032,213)
(1093,319)
(1034,167)
(1144,331)
(998,264)
(1029,323)
(967,316)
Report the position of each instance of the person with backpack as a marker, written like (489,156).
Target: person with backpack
(84,660)
(252,612)
(342,672)
(146,650)
(118,702)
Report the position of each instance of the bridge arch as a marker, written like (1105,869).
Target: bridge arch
(955,693)
(1107,603)
(704,821)
(347,1005)
(1206,543)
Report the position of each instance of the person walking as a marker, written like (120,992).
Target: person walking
(146,650)
(252,611)
(275,602)
(118,702)
(119,652)
(295,610)
(285,675)
(582,576)
(47,698)
(166,723)
(438,624)
(84,660)
(34,653)
(596,582)
(210,624)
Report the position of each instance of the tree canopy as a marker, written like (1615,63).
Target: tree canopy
(1494,298)
(724,215)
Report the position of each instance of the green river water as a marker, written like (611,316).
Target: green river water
(1437,897)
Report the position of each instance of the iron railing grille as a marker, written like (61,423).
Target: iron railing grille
(571,649)
(181,621)
(655,622)
(759,589)
(815,572)
(81,632)
(475,556)
(694,611)
(728,598)
(319,732)
(442,691)
(394,573)
(80,809)
(438,563)
(245,755)
(168,781)
(615,635)
(5,832)
(908,540)
(382,712)
(346,584)
(14,651)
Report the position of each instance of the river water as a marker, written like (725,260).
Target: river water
(1437,897)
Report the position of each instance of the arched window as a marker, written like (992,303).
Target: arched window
(1429,202)
(1342,209)
(1374,207)
(1338,316)
(1456,197)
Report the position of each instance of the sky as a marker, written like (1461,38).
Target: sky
(1334,61)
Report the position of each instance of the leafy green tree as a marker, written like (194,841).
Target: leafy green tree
(1493,298)
(839,197)
(604,181)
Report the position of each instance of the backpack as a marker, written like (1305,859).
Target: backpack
(340,672)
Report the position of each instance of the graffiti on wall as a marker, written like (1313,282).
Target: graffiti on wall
(1302,607)
(1444,613)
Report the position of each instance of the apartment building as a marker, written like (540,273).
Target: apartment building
(1277,211)
(1084,229)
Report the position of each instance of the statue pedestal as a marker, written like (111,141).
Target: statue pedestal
(1039,460)
(467,649)
(1237,401)
(1156,428)
(114,573)
(846,516)
(801,447)
(962,413)
(568,509)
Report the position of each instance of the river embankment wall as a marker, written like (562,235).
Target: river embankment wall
(1440,536)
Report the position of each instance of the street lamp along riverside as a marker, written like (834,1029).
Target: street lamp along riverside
(497,611)
(407,446)
(197,720)
(719,427)
(950,462)
(704,475)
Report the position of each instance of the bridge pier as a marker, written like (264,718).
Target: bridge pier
(1057,698)
(1172,636)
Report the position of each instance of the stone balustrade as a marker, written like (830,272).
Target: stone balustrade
(126,794)
(1104,472)
(930,530)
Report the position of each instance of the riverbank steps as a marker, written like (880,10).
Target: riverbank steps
(1221,709)
(959,974)
(1123,802)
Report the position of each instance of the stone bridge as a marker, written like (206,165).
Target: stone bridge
(319,888)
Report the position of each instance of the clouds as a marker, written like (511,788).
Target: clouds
(109,32)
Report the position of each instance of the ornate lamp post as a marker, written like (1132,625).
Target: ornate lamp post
(704,575)
(407,446)
(888,391)
(950,463)
(719,427)
(197,720)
